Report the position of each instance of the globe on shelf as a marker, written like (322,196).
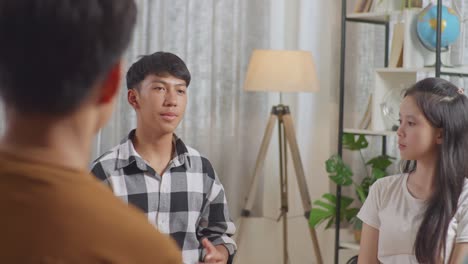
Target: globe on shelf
(426,27)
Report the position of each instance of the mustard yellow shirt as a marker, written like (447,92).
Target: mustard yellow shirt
(52,214)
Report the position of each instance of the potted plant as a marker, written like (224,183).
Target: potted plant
(341,174)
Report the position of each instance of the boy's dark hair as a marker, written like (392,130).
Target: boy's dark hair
(53,51)
(159,63)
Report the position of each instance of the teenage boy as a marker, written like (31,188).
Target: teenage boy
(154,170)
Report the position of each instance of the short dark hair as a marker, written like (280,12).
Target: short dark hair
(158,63)
(53,51)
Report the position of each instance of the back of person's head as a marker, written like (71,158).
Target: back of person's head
(52,52)
(445,106)
(160,64)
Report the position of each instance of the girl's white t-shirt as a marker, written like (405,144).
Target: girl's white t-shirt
(397,215)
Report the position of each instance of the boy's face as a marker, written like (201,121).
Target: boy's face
(160,103)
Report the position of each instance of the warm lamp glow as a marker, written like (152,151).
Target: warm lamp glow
(281,71)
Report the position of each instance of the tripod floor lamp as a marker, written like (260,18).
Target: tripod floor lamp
(281,71)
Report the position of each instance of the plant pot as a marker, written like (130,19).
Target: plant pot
(357,235)
(357,229)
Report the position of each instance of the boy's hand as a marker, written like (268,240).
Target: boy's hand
(214,254)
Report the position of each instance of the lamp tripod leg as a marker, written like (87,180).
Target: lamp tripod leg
(253,187)
(301,181)
(283,166)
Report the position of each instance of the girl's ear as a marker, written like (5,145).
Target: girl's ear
(439,136)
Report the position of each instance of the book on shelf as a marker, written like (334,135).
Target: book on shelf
(367,117)
(359,6)
(379,6)
(396,48)
(363,6)
(368,5)
(413,3)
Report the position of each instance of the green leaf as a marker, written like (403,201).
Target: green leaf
(330,197)
(328,206)
(362,142)
(350,142)
(367,181)
(378,173)
(341,180)
(317,216)
(326,210)
(346,201)
(332,163)
(361,193)
(330,223)
(351,213)
(338,171)
(380,162)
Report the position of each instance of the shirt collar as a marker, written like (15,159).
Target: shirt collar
(127,154)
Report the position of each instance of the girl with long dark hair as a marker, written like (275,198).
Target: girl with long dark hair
(421,215)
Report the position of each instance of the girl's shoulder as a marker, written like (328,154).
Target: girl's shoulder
(386,191)
(391,181)
(388,186)
(463,199)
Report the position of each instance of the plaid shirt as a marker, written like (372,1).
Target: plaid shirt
(187,202)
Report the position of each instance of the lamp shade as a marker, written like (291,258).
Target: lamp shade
(281,71)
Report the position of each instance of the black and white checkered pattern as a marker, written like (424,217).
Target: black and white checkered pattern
(187,202)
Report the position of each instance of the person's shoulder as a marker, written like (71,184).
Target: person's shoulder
(192,152)
(463,199)
(105,164)
(197,155)
(111,224)
(390,182)
(391,179)
(200,163)
(385,189)
(462,210)
(86,217)
(133,228)
(110,154)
